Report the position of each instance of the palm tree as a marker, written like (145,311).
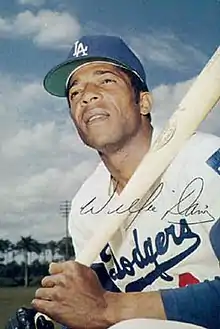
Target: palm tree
(43,247)
(52,246)
(8,247)
(2,250)
(27,245)
(13,251)
(5,248)
(65,248)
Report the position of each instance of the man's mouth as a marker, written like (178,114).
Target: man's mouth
(97,117)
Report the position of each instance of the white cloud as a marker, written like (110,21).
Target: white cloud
(48,29)
(165,49)
(4,26)
(39,138)
(42,159)
(35,3)
(167,98)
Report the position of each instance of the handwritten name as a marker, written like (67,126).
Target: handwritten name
(188,203)
(134,208)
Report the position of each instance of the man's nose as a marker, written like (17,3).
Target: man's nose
(90,94)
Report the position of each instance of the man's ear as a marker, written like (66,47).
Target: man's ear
(146,101)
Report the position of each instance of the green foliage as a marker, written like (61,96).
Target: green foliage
(36,257)
(7,282)
(28,244)
(66,248)
(30,272)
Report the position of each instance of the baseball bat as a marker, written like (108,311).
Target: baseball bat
(192,110)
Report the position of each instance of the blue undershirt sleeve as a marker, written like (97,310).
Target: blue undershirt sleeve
(198,304)
(215,238)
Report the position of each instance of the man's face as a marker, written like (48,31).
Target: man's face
(103,106)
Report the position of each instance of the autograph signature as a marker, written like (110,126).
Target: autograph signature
(187,205)
(188,202)
(133,208)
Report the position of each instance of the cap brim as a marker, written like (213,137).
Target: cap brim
(55,80)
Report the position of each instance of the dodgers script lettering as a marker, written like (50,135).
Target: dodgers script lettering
(149,252)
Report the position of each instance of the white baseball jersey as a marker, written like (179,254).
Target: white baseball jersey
(164,243)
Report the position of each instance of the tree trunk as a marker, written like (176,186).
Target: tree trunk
(26,281)
(7,257)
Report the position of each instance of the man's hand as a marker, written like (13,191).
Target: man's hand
(72,295)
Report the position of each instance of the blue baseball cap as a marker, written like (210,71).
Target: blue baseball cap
(110,49)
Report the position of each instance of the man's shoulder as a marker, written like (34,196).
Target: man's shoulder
(200,156)
(199,148)
(203,143)
(97,179)
(79,226)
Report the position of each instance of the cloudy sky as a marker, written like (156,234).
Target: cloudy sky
(42,160)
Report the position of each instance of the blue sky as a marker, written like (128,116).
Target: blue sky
(192,23)
(39,148)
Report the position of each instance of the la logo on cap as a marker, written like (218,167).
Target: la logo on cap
(80,49)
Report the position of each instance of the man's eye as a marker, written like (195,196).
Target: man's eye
(108,80)
(73,94)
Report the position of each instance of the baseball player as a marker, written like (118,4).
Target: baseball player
(161,263)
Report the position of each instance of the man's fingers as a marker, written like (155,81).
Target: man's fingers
(60,267)
(44,293)
(53,280)
(55,268)
(48,282)
(44,306)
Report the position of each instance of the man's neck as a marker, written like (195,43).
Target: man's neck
(123,163)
